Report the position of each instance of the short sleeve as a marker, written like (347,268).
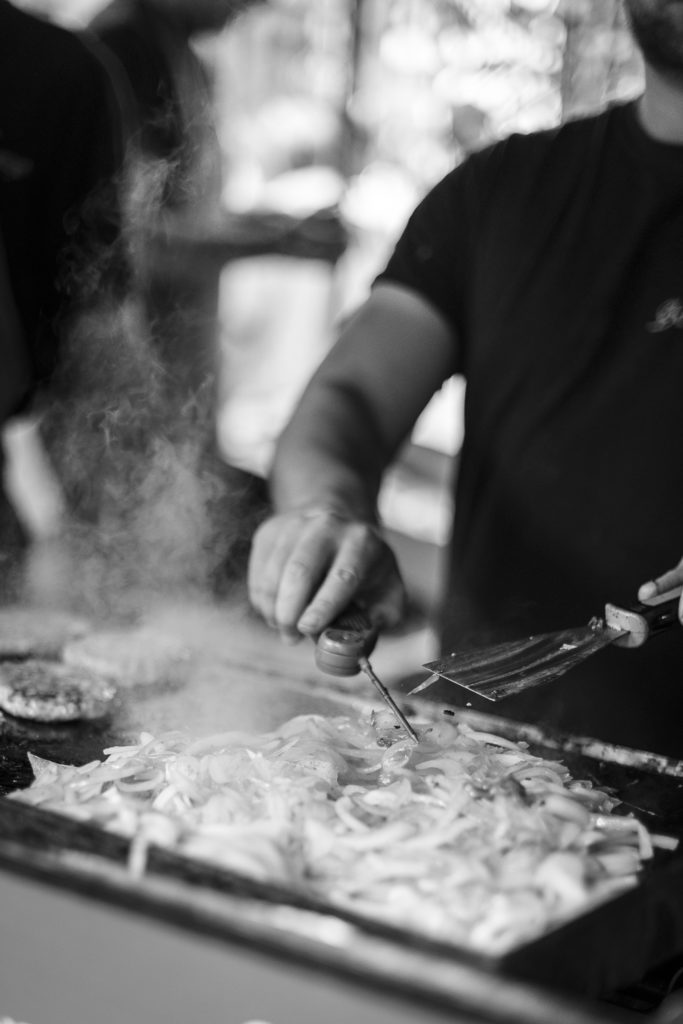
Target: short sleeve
(432,256)
(436,255)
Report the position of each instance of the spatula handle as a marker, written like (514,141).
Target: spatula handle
(662,611)
(644,619)
(344,642)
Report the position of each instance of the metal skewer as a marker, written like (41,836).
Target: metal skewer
(342,650)
(388,699)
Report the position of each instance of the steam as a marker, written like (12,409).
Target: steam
(152,510)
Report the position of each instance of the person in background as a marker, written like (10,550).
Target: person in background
(548,269)
(61,153)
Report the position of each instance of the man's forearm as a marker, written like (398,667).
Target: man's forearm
(361,405)
(329,457)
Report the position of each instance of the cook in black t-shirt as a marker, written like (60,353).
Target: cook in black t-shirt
(548,270)
(558,258)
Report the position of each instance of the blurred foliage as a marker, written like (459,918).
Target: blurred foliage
(410,85)
(393,93)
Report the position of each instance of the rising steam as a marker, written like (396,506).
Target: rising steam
(152,508)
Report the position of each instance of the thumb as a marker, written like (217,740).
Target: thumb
(670,580)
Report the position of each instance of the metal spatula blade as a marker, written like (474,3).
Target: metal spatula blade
(505,669)
(508,668)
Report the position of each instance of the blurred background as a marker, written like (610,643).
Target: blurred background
(350,110)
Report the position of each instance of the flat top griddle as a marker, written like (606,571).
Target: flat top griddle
(246,679)
(611,945)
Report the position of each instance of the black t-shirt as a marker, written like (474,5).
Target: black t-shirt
(169,110)
(60,154)
(139,37)
(558,258)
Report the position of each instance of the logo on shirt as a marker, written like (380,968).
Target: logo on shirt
(668,315)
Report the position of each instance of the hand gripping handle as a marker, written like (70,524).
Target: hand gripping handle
(644,619)
(341,645)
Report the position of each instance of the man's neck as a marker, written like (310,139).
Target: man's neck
(661,106)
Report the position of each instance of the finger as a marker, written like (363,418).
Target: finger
(389,608)
(273,545)
(333,597)
(307,564)
(352,565)
(661,584)
(261,546)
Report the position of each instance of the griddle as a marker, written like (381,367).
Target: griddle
(247,679)
(611,946)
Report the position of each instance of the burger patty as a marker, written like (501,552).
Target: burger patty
(47,691)
(37,632)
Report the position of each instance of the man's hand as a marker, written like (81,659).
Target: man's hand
(323,547)
(308,564)
(667,581)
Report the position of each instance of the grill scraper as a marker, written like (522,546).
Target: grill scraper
(504,669)
(342,649)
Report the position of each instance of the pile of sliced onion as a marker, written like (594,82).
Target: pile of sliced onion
(466,837)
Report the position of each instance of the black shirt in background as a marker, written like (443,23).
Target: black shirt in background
(60,156)
(168,101)
(558,258)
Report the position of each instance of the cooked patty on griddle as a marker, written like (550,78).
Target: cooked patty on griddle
(47,691)
(37,632)
(132,657)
